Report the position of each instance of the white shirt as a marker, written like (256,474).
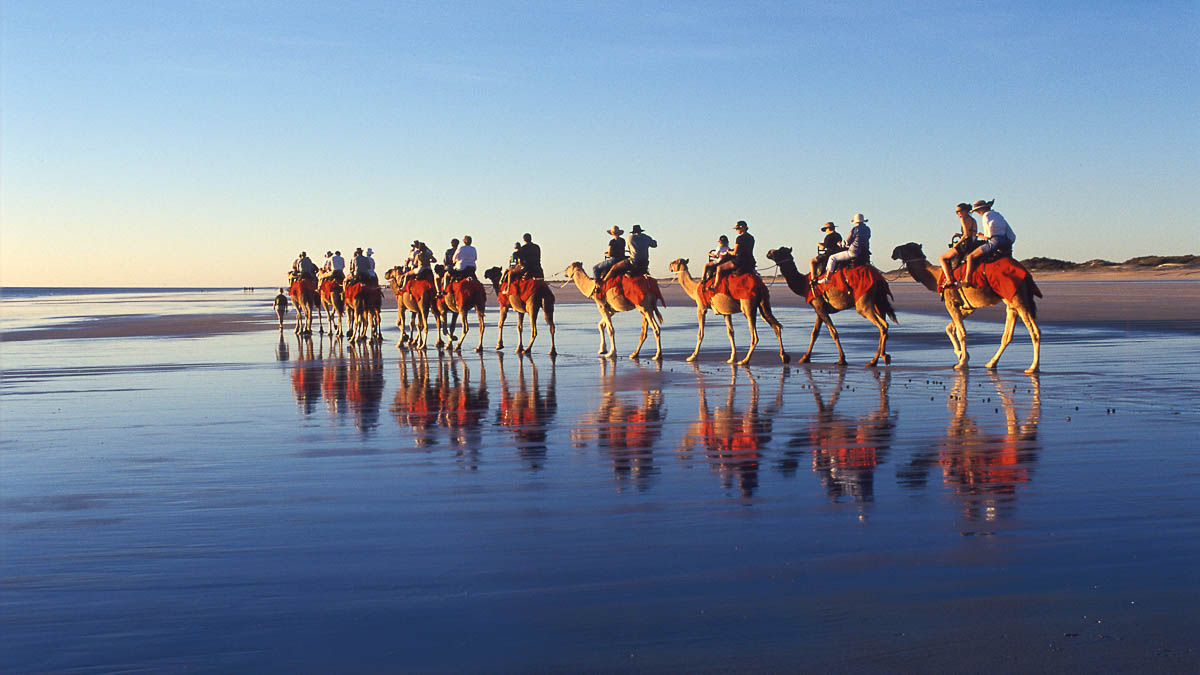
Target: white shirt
(719,252)
(994,225)
(465,257)
(370,263)
(338,262)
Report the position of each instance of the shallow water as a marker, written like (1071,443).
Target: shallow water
(257,501)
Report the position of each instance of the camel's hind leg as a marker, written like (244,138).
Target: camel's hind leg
(532,309)
(871,314)
(751,313)
(642,337)
(1010,322)
(520,333)
(548,316)
(1035,334)
(732,345)
(958,336)
(769,315)
(812,339)
(654,326)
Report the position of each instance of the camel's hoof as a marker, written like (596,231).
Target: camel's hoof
(731,361)
(633,357)
(841,362)
(658,357)
(804,359)
(1031,370)
(871,363)
(744,361)
(553,352)
(887,359)
(787,358)
(990,365)
(690,358)
(478,350)
(960,366)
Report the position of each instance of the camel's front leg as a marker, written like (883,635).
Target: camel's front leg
(500,327)
(958,333)
(883,335)
(641,337)
(732,344)
(520,333)
(1010,322)
(479,317)
(837,341)
(701,314)
(612,335)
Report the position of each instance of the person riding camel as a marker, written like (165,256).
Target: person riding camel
(338,265)
(424,262)
(327,266)
(717,256)
(358,267)
(966,243)
(858,248)
(742,261)
(640,244)
(513,271)
(305,268)
(529,257)
(463,260)
(448,262)
(371,266)
(831,245)
(614,254)
(1000,237)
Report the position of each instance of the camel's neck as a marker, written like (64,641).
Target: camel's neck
(691,285)
(583,282)
(924,273)
(799,283)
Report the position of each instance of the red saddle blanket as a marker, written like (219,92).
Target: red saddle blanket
(635,289)
(303,286)
(1003,276)
(356,289)
(418,287)
(522,289)
(745,286)
(857,281)
(328,286)
(464,289)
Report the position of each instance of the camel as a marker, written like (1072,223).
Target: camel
(962,301)
(333,303)
(615,300)
(473,297)
(304,297)
(726,306)
(874,306)
(542,299)
(420,303)
(364,311)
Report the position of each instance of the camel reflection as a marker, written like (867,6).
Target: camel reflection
(983,467)
(733,441)
(306,376)
(626,430)
(364,383)
(446,402)
(528,411)
(845,450)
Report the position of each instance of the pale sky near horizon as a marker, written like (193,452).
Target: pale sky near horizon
(205,143)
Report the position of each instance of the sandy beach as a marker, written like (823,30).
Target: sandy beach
(187,489)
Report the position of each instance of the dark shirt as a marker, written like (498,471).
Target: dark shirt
(616,248)
(744,251)
(281,302)
(833,243)
(448,261)
(530,255)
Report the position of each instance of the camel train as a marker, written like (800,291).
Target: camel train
(858,285)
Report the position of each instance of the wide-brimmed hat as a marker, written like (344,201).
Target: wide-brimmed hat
(741,224)
(370,251)
(615,231)
(858,219)
(415,243)
(828,227)
(636,229)
(328,253)
(981,204)
(303,254)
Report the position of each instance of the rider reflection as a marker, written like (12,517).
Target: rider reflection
(416,402)
(845,451)
(981,466)
(733,442)
(306,376)
(448,402)
(626,430)
(364,384)
(528,412)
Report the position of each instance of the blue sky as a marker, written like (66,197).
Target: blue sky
(205,143)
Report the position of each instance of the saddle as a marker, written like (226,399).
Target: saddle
(302,285)
(522,289)
(360,288)
(634,288)
(738,285)
(1003,276)
(461,288)
(857,280)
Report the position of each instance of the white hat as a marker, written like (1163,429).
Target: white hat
(858,218)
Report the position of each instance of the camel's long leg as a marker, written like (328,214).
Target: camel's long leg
(548,316)
(751,312)
(531,308)
(520,332)
(701,313)
(612,333)
(960,332)
(1035,334)
(732,344)
(654,326)
(812,339)
(1010,322)
(500,327)
(479,317)
(769,315)
(833,333)
(642,337)
(602,327)
(874,317)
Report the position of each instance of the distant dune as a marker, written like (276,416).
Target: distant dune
(1146,262)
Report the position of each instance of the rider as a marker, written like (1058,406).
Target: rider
(463,260)
(615,254)
(717,256)
(530,258)
(327,266)
(640,243)
(858,247)
(831,245)
(743,253)
(359,264)
(307,269)
(424,262)
(338,264)
(966,242)
(371,266)
(448,262)
(995,229)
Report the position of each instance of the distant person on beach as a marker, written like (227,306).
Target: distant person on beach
(530,258)
(966,242)
(281,307)
(743,253)
(614,254)
(832,244)
(858,247)
(464,260)
(995,230)
(717,256)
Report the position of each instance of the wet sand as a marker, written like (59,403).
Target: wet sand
(250,500)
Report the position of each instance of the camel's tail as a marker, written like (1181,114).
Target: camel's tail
(658,294)
(1032,290)
(658,315)
(883,300)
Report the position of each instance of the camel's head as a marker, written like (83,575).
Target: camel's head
(781,254)
(572,268)
(910,252)
(392,274)
(439,269)
(679,265)
(492,274)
